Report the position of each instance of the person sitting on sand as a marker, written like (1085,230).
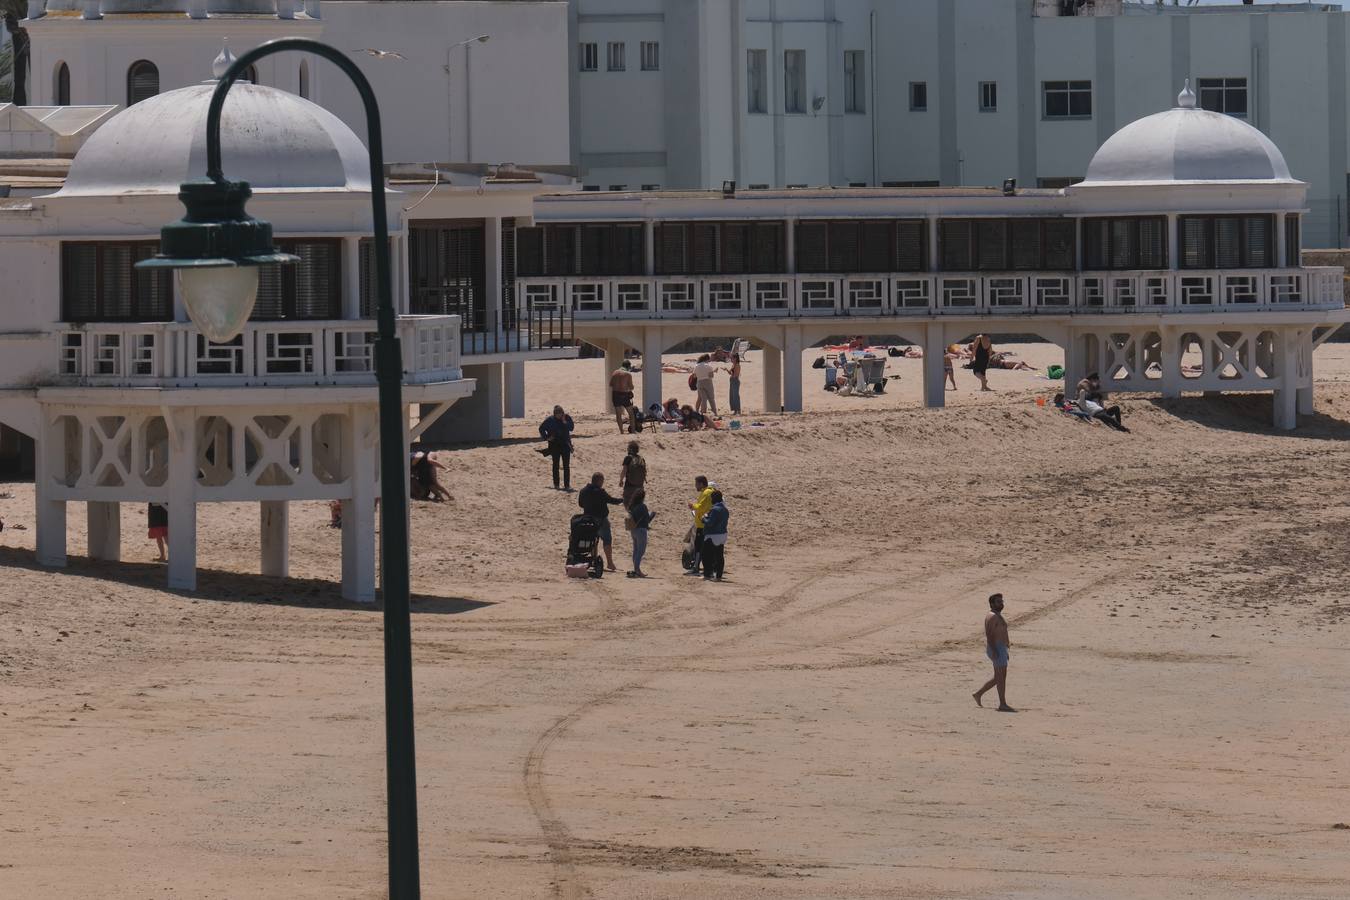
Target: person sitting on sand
(1092,400)
(958,352)
(691,419)
(423,483)
(721,354)
(671,411)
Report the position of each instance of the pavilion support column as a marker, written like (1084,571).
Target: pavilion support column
(182,505)
(513,389)
(792,368)
(934,368)
(276,542)
(613,359)
(105,530)
(358,512)
(1286,396)
(1171,362)
(772,358)
(653,342)
(51,512)
(1075,360)
(1305,370)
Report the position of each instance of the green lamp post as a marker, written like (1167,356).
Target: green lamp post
(216,249)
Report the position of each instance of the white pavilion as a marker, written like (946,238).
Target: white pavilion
(129,403)
(1184,235)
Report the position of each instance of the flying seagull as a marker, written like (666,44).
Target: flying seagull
(382,54)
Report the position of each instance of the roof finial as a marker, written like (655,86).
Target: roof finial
(1186,99)
(221,64)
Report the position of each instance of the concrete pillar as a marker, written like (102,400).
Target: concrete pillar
(1305,357)
(1171,362)
(477,417)
(276,539)
(1075,361)
(51,513)
(934,369)
(653,343)
(613,359)
(792,368)
(1286,396)
(358,512)
(105,530)
(513,377)
(351,278)
(772,359)
(182,505)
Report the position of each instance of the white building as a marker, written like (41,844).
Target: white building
(688,93)
(127,400)
(1184,234)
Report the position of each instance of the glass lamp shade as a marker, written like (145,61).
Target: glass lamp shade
(219,298)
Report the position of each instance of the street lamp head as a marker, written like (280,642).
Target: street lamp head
(216,249)
(483,38)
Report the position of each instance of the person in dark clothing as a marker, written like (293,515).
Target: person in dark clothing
(642,519)
(633,473)
(557,430)
(595,502)
(715,538)
(983,349)
(157,518)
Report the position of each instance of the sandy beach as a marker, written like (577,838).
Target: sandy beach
(805,729)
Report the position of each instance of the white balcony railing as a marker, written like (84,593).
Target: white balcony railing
(172,354)
(928,294)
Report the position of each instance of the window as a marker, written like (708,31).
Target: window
(1224,95)
(598,249)
(651,56)
(588,57)
(794,81)
(1227,242)
(1293,246)
(911,184)
(720,248)
(998,245)
(614,56)
(99,283)
(618,187)
(988,96)
(1125,243)
(142,81)
(251,75)
(304,79)
(62,87)
(888,245)
(367,291)
(1057,182)
(756,81)
(918,96)
(309,289)
(1067,99)
(651,187)
(855,91)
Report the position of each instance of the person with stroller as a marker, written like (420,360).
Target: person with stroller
(557,430)
(1092,400)
(595,502)
(715,538)
(639,519)
(699,506)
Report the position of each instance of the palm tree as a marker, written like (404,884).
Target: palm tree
(14,11)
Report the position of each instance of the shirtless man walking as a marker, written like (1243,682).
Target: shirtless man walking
(996,645)
(621,393)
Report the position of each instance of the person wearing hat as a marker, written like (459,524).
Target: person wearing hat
(557,430)
(621,393)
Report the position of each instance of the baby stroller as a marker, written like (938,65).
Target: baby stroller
(583,548)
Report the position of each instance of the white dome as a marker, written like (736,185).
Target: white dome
(1187,144)
(270,138)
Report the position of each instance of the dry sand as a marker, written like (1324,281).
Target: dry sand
(803,730)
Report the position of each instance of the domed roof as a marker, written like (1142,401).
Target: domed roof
(270,138)
(1187,144)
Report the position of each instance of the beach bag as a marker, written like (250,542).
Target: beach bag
(693,382)
(638,466)
(1054,372)
(579,570)
(819,363)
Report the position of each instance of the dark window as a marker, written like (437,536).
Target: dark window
(651,56)
(1067,99)
(447,270)
(994,245)
(369,295)
(854,246)
(794,81)
(1125,243)
(756,81)
(99,283)
(911,184)
(1227,242)
(142,81)
(855,84)
(671,242)
(719,248)
(1293,242)
(918,96)
(1224,95)
(988,96)
(308,289)
(588,57)
(615,56)
(608,249)
(62,85)
(1058,181)
(813,247)
(529,251)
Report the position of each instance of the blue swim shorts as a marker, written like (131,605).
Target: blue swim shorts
(606,536)
(998,655)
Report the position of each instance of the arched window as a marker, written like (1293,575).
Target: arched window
(251,74)
(142,81)
(61,89)
(304,79)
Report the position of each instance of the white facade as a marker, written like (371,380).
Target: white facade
(690,125)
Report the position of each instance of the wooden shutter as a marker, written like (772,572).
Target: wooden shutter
(509,270)
(115,282)
(843,246)
(703,248)
(1096,243)
(911,245)
(317,280)
(1197,243)
(991,237)
(1259,253)
(368,295)
(767,248)
(595,250)
(142,81)
(670,249)
(876,247)
(813,247)
(153,293)
(1124,244)
(1153,243)
(628,254)
(529,251)
(1228,242)
(956,244)
(1293,246)
(1025,243)
(1059,244)
(560,254)
(79,282)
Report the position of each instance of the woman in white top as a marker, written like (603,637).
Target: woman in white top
(703,380)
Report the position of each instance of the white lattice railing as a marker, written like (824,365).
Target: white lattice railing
(174,354)
(956,293)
